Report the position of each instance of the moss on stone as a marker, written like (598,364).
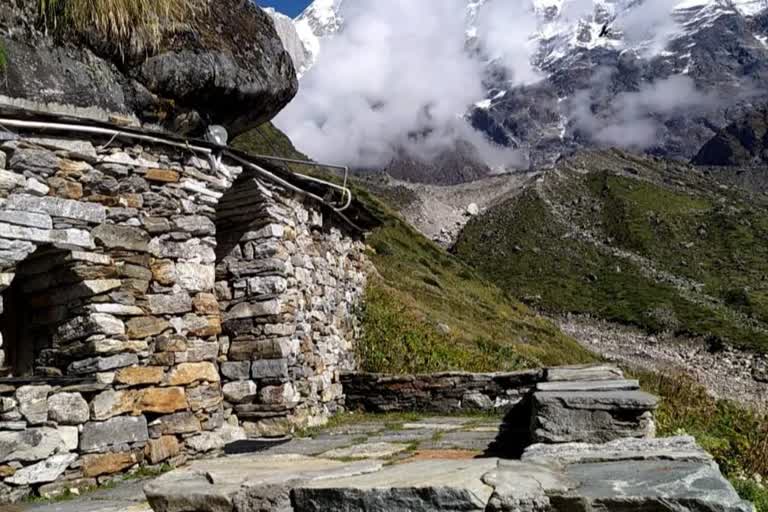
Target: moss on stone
(3,58)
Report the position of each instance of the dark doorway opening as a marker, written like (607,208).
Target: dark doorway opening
(29,315)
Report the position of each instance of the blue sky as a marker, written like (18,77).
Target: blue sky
(290,7)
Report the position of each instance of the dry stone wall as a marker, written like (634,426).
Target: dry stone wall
(123,341)
(288,290)
(592,404)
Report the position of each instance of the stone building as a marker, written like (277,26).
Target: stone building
(160,300)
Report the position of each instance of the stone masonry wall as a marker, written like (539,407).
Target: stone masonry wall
(113,353)
(288,289)
(450,392)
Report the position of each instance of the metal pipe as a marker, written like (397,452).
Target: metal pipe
(100,131)
(73,127)
(300,162)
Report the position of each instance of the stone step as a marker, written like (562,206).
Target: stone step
(591,416)
(582,373)
(590,385)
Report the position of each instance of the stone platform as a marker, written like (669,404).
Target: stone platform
(409,467)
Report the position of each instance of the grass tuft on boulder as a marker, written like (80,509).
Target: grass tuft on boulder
(138,24)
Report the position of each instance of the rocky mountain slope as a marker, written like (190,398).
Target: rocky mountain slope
(653,76)
(637,240)
(743,143)
(224,65)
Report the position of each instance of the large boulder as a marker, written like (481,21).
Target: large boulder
(226,65)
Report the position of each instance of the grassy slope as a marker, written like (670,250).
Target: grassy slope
(420,286)
(673,219)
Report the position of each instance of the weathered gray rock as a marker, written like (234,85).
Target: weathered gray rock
(36,161)
(103,364)
(254,310)
(589,416)
(57,207)
(521,487)
(68,408)
(664,448)
(188,69)
(29,445)
(198,225)
(477,401)
(170,304)
(33,403)
(651,485)
(243,483)
(75,148)
(97,436)
(129,238)
(195,277)
(583,373)
(366,451)
(47,470)
(240,391)
(177,423)
(424,486)
(205,442)
(589,385)
(236,370)
(270,369)
(29,219)
(84,326)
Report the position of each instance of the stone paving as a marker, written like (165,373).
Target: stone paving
(387,438)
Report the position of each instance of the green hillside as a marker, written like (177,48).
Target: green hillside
(428,311)
(635,240)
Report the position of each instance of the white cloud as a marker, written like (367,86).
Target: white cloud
(505,30)
(634,119)
(650,25)
(396,74)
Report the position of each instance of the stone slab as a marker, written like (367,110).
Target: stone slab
(422,486)
(125,497)
(678,448)
(598,400)
(583,372)
(222,484)
(524,487)
(379,450)
(591,416)
(310,446)
(651,486)
(590,385)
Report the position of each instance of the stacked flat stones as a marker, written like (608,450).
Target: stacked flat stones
(288,290)
(555,405)
(593,404)
(449,392)
(114,249)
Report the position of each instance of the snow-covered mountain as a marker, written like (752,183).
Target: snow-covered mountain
(598,76)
